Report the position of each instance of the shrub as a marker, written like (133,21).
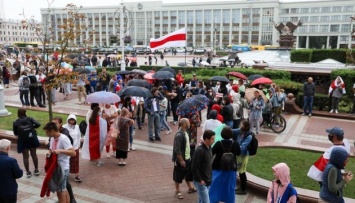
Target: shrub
(322,54)
(222,53)
(289,86)
(320,101)
(301,55)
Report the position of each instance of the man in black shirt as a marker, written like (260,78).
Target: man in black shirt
(202,166)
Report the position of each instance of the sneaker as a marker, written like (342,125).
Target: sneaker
(175,122)
(309,115)
(158,139)
(29,174)
(132,148)
(150,140)
(336,111)
(99,163)
(36,172)
(303,114)
(79,103)
(331,111)
(108,156)
(168,132)
(77,179)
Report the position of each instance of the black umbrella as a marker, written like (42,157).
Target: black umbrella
(223,60)
(163,75)
(72,56)
(253,77)
(123,72)
(82,70)
(135,91)
(138,82)
(182,64)
(171,70)
(139,72)
(84,63)
(220,79)
(231,60)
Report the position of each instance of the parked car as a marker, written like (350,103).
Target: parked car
(200,50)
(180,50)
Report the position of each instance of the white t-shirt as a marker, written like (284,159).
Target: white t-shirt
(110,111)
(63,143)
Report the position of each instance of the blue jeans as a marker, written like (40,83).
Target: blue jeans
(202,191)
(307,102)
(24,94)
(229,123)
(131,128)
(154,122)
(104,88)
(163,122)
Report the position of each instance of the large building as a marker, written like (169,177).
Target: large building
(12,31)
(326,23)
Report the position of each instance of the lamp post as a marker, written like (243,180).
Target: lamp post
(123,64)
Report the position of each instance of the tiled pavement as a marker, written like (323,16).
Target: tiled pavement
(148,174)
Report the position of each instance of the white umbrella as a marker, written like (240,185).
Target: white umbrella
(103,97)
(204,63)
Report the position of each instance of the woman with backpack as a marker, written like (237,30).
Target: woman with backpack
(244,139)
(281,189)
(27,140)
(224,168)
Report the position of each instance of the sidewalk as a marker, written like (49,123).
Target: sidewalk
(148,175)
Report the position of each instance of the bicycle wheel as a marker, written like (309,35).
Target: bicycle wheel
(278,124)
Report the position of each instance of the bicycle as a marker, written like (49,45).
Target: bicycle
(277,123)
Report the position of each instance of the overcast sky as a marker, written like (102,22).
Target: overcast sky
(13,8)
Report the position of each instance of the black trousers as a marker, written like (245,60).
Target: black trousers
(34,94)
(8,199)
(42,95)
(174,106)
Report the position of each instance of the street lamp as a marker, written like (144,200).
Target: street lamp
(123,64)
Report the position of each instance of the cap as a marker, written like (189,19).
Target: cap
(339,132)
(165,87)
(194,74)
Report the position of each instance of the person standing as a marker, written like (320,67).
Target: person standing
(123,124)
(175,100)
(41,79)
(34,91)
(9,172)
(336,136)
(60,145)
(95,136)
(309,90)
(27,140)
(163,111)
(80,86)
(224,179)
(334,180)
(353,109)
(24,84)
(281,189)
(336,91)
(181,158)
(227,111)
(151,106)
(104,80)
(201,166)
(180,79)
(75,134)
(17,67)
(256,105)
(193,62)
(6,75)
(93,81)
(244,139)
(110,113)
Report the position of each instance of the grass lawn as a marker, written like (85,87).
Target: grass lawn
(41,116)
(299,163)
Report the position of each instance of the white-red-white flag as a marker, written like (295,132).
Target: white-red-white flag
(174,39)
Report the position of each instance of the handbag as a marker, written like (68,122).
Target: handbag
(115,133)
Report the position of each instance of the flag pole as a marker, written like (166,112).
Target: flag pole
(185,53)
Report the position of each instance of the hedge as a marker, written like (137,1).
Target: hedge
(301,55)
(320,101)
(316,55)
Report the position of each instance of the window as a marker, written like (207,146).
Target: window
(334,28)
(165,14)
(303,29)
(190,17)
(324,18)
(294,10)
(348,8)
(198,17)
(182,17)
(336,18)
(314,19)
(344,38)
(313,28)
(226,16)
(346,17)
(217,16)
(304,18)
(256,11)
(315,10)
(324,28)
(304,10)
(208,16)
(325,9)
(236,16)
(285,11)
(345,28)
(336,9)
(294,19)
(285,19)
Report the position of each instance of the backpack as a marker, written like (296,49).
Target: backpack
(26,131)
(290,191)
(7,73)
(25,82)
(82,126)
(240,111)
(228,159)
(253,145)
(33,80)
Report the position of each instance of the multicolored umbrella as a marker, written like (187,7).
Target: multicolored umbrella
(192,105)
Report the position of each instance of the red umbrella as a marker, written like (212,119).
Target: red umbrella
(261,80)
(238,75)
(149,77)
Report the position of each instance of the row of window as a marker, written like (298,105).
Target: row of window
(324,28)
(15,33)
(14,27)
(317,10)
(7,39)
(314,19)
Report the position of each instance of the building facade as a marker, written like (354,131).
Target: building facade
(326,23)
(11,31)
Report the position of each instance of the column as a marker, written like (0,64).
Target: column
(327,45)
(3,110)
(100,31)
(307,42)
